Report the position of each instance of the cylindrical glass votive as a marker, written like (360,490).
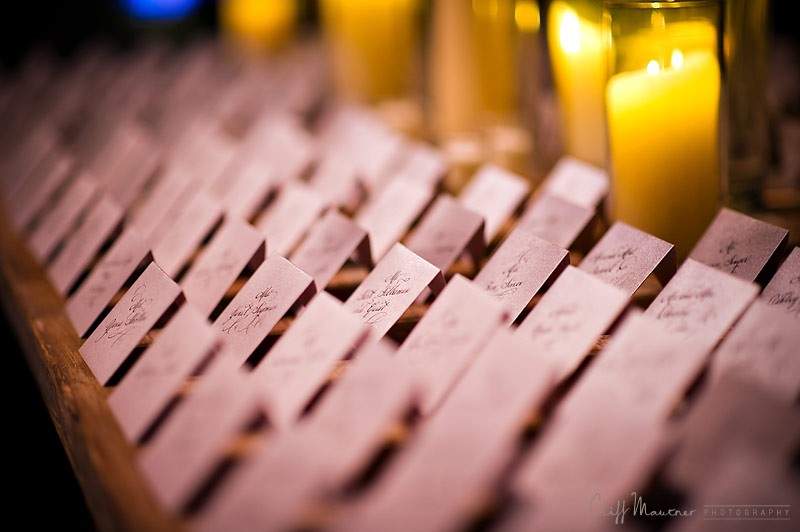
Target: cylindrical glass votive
(374,47)
(576,59)
(662,108)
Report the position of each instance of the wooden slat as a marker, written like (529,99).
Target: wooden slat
(103,461)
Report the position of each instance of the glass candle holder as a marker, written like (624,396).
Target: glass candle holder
(577,62)
(662,107)
(748,114)
(374,47)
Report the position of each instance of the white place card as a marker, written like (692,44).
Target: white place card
(180,348)
(738,244)
(446,232)
(58,222)
(331,242)
(762,348)
(495,194)
(557,220)
(576,181)
(446,340)
(701,302)
(193,225)
(783,290)
(234,246)
(287,220)
(273,289)
(128,255)
(391,287)
(387,216)
(154,215)
(519,268)
(186,450)
(460,453)
(298,364)
(100,223)
(625,257)
(566,323)
(145,302)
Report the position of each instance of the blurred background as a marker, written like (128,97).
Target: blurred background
(495,82)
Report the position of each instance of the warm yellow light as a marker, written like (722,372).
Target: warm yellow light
(485,8)
(653,67)
(255,21)
(570,32)
(526,15)
(677,59)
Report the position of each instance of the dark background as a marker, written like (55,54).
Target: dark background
(44,491)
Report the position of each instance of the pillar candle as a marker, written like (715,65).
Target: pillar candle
(578,65)
(663,124)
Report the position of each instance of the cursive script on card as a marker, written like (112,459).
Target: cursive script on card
(137,313)
(243,318)
(730,257)
(511,277)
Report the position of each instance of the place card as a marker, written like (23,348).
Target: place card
(154,215)
(391,287)
(422,162)
(739,244)
(282,141)
(335,178)
(120,148)
(287,220)
(243,192)
(357,133)
(569,318)
(577,182)
(58,222)
(762,348)
(234,246)
(268,295)
(189,229)
(446,231)
(558,221)
(297,365)
(454,461)
(625,257)
(329,244)
(495,194)
(732,420)
(29,154)
(268,491)
(351,422)
(145,302)
(100,223)
(519,268)
(206,150)
(31,197)
(180,348)
(186,450)
(133,174)
(446,340)
(783,290)
(583,462)
(643,369)
(387,216)
(701,302)
(128,255)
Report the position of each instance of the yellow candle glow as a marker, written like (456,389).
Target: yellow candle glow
(664,138)
(577,59)
(374,46)
(258,23)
